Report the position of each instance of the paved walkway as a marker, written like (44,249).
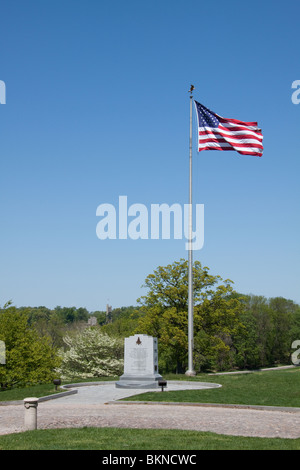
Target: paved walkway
(105,392)
(96,406)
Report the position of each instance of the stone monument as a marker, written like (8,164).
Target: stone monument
(140,363)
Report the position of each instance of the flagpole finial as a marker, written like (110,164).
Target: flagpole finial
(191,89)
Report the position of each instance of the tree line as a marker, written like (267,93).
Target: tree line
(231,330)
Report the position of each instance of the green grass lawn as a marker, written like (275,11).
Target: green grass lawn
(137,439)
(42,390)
(271,388)
(38,391)
(266,388)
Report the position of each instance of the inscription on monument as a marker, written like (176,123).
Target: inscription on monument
(139,359)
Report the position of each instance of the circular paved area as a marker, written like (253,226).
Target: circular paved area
(104,392)
(91,407)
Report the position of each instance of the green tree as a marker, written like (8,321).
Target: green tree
(100,315)
(72,314)
(216,316)
(257,347)
(271,326)
(30,359)
(47,323)
(282,312)
(123,322)
(168,285)
(217,321)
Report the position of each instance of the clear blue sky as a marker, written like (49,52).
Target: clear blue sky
(97,106)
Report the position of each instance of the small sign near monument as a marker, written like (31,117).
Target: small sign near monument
(140,363)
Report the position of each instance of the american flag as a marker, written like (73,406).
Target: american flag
(218,133)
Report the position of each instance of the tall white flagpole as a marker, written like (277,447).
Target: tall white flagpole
(190,370)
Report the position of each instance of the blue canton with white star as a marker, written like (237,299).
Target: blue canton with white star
(205,117)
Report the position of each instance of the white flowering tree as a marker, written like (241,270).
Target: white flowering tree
(92,353)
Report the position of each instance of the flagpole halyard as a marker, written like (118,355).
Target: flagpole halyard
(190,371)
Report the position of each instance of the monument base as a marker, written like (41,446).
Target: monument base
(135,381)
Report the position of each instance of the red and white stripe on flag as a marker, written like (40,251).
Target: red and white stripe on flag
(218,133)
